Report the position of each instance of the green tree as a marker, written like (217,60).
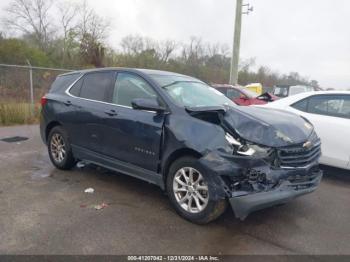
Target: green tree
(16,51)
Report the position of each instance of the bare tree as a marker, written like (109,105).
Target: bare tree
(224,50)
(91,23)
(132,45)
(31,17)
(213,49)
(246,64)
(166,49)
(194,51)
(314,83)
(92,30)
(68,20)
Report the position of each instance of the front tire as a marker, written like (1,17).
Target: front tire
(60,150)
(189,192)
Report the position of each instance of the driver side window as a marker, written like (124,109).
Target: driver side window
(128,87)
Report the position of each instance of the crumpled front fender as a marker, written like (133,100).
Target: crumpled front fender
(222,163)
(281,185)
(218,164)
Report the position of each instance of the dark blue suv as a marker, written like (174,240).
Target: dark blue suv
(179,133)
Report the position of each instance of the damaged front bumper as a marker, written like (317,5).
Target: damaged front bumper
(251,184)
(283,193)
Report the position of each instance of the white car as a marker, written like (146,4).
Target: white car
(329,112)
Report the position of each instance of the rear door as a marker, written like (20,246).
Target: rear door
(133,136)
(62,108)
(92,93)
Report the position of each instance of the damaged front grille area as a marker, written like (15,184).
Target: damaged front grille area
(299,156)
(250,180)
(272,158)
(256,181)
(300,182)
(297,178)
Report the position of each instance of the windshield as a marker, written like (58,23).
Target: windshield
(196,94)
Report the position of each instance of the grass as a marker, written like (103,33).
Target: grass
(13,113)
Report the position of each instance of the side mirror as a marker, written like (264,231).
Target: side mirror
(147,104)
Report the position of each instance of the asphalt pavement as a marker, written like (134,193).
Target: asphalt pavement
(45,211)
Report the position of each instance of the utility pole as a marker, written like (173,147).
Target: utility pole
(237,40)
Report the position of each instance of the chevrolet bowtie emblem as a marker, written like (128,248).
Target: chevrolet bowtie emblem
(307,145)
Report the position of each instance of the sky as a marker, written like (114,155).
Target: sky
(310,37)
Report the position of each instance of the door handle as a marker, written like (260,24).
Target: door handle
(111,112)
(68,103)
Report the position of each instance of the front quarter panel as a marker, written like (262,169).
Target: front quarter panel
(186,132)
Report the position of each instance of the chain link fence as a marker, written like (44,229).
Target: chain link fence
(21,88)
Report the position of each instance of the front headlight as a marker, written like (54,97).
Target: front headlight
(262,152)
(247,149)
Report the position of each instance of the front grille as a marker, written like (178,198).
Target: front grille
(296,178)
(299,156)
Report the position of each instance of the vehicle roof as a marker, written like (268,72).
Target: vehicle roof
(294,98)
(141,70)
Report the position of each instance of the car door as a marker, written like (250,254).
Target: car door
(65,107)
(92,92)
(133,136)
(330,114)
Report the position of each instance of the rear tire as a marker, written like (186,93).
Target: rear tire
(187,180)
(60,150)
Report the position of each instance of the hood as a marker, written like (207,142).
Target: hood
(266,126)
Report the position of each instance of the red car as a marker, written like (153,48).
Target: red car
(243,96)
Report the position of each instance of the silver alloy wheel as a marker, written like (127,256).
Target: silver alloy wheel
(191,190)
(58,148)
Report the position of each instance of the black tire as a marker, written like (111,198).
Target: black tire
(68,160)
(213,209)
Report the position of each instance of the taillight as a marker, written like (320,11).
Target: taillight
(43,101)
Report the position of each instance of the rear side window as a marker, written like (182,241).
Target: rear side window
(318,105)
(301,105)
(332,105)
(63,82)
(75,90)
(96,85)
